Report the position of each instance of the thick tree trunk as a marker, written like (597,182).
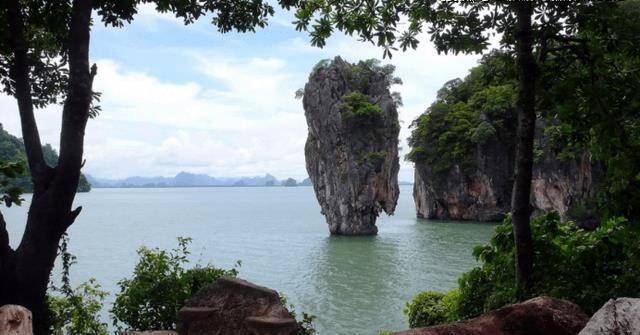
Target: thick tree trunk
(520,203)
(25,272)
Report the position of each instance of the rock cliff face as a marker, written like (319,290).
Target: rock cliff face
(463,148)
(482,191)
(352,147)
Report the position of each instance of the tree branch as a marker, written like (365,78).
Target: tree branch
(76,108)
(19,74)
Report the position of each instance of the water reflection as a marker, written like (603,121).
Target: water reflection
(342,280)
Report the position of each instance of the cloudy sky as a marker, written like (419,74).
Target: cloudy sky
(179,98)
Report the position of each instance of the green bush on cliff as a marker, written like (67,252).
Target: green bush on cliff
(585,267)
(359,112)
(466,113)
(151,299)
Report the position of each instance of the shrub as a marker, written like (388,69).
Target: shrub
(150,300)
(305,325)
(586,267)
(375,158)
(431,308)
(77,313)
(359,112)
(74,311)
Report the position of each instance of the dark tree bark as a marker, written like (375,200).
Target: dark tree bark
(24,273)
(520,203)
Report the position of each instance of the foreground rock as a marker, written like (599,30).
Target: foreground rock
(617,316)
(538,316)
(352,147)
(15,320)
(235,306)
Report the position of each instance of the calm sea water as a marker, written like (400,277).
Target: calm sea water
(354,285)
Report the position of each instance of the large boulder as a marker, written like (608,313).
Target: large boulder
(618,316)
(15,320)
(352,147)
(235,306)
(538,316)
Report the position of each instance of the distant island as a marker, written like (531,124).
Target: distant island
(186,179)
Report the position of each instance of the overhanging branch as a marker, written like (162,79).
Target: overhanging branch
(19,74)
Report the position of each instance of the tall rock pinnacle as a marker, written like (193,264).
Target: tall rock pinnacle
(352,147)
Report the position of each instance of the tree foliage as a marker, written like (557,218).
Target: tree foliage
(151,299)
(467,113)
(47,29)
(430,308)
(12,151)
(593,96)
(585,267)
(588,99)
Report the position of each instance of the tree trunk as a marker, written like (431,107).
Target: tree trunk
(25,272)
(520,201)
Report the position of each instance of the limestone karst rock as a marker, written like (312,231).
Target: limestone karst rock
(352,147)
(481,191)
(464,149)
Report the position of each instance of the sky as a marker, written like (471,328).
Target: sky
(187,98)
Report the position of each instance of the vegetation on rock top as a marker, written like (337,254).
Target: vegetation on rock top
(467,113)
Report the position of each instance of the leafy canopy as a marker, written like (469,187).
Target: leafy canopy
(47,33)
(467,113)
(452,26)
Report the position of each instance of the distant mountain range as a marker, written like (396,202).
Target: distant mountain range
(186,179)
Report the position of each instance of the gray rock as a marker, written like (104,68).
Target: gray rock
(482,191)
(353,168)
(618,316)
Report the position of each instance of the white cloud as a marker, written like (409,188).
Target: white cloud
(238,117)
(422,71)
